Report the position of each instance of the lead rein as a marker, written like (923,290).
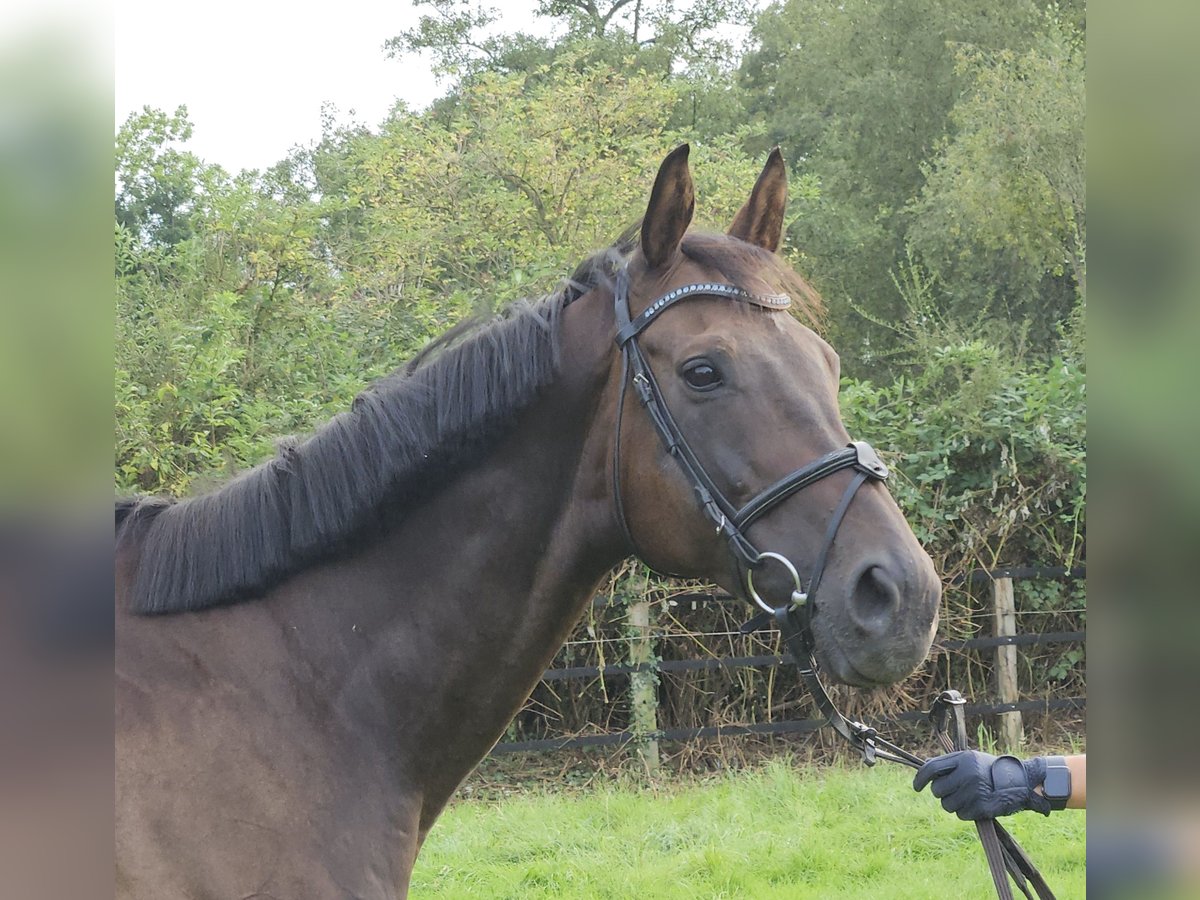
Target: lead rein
(1005,856)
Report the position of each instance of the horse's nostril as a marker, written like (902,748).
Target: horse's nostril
(875,600)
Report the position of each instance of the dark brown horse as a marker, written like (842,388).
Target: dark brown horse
(312,658)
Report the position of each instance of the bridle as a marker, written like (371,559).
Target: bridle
(794,618)
(730,522)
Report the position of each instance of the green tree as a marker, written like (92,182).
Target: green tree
(302,283)
(541,166)
(1001,218)
(859,93)
(213,317)
(668,39)
(159,185)
(663,34)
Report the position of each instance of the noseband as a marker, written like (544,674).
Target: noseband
(730,521)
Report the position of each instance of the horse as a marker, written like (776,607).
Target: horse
(312,657)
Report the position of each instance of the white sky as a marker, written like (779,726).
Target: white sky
(255,74)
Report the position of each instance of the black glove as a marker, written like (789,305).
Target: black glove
(976,785)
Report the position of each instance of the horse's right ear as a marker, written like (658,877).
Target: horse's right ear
(672,203)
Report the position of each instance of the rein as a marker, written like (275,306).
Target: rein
(1004,855)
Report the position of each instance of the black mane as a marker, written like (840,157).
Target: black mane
(403,437)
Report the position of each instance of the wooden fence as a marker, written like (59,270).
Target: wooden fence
(643,670)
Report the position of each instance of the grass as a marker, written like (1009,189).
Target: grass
(774,832)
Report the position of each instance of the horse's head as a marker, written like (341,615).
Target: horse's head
(747,396)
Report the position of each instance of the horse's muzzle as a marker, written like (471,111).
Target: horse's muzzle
(883,625)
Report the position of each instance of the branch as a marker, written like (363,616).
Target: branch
(514,180)
(616,7)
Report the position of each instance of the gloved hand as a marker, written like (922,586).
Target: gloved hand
(976,785)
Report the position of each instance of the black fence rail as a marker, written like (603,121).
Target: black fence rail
(790,726)
(743,662)
(652,668)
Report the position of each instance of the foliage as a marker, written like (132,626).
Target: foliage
(160,187)
(1000,218)
(661,35)
(291,289)
(449,30)
(988,455)
(861,94)
(682,42)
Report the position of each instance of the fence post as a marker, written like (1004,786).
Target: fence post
(1011,735)
(643,686)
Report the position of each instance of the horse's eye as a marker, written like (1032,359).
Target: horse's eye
(701,375)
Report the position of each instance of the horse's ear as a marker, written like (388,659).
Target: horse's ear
(672,203)
(760,221)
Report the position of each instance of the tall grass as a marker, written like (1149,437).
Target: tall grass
(774,832)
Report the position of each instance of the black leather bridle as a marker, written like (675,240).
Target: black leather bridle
(731,522)
(1004,855)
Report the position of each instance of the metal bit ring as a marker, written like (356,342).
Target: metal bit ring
(798,595)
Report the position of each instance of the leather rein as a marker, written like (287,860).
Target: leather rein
(794,618)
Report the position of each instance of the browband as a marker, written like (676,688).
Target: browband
(639,322)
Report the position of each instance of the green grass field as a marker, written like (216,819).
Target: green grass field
(773,832)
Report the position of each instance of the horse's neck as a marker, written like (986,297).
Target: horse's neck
(445,624)
(358,694)
(511,539)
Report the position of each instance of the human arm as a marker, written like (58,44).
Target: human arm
(977,785)
(1078,766)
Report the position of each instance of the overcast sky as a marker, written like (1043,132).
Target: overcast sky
(254,75)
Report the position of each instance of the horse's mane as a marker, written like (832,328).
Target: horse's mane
(403,437)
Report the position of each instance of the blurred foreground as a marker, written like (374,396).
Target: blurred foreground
(56,683)
(1143,327)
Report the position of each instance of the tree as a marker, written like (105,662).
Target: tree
(1001,218)
(669,39)
(159,185)
(859,93)
(666,33)
(538,167)
(302,283)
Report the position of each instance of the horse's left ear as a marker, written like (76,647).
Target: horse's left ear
(760,221)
